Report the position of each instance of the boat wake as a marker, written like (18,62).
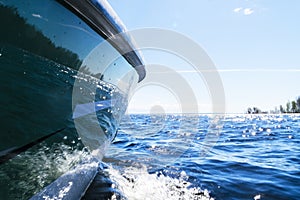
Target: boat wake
(138,183)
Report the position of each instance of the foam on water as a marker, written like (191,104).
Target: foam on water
(137,183)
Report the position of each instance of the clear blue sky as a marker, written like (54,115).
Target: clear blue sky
(255,45)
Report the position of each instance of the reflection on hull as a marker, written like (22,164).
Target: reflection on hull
(62,95)
(44,89)
(34,90)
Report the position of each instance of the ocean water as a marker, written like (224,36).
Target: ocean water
(160,157)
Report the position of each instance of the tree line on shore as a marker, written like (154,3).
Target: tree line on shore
(18,32)
(290,107)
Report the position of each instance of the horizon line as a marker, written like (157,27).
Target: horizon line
(237,70)
(227,113)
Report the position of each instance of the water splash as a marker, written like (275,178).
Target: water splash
(137,183)
(32,170)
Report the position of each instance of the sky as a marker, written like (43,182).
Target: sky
(254,45)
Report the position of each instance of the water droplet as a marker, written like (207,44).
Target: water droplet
(183,173)
(257,197)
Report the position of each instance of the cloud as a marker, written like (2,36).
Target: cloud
(37,15)
(248,11)
(245,11)
(237,10)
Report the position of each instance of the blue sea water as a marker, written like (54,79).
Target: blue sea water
(161,157)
